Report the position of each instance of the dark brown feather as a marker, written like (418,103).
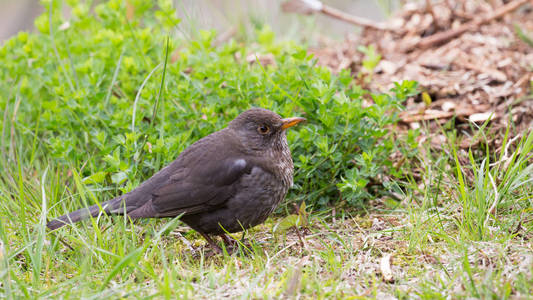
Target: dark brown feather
(229,180)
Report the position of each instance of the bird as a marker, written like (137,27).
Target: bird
(226,182)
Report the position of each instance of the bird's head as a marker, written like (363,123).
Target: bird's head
(260,129)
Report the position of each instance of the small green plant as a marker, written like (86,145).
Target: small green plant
(90,103)
(369,63)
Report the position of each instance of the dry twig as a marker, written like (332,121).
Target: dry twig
(445,36)
(308,7)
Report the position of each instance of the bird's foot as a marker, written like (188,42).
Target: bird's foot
(229,240)
(233,245)
(212,243)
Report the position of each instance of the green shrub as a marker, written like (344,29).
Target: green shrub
(81,114)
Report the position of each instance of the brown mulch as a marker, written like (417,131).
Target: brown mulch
(486,72)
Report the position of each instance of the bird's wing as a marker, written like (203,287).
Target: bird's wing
(203,187)
(204,176)
(193,190)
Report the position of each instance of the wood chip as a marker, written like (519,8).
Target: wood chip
(481,117)
(385,266)
(485,69)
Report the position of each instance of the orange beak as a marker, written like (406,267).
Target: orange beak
(289,122)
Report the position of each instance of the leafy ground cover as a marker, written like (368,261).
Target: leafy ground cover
(86,119)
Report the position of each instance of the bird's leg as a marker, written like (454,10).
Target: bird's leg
(228,240)
(211,242)
(233,244)
(230,243)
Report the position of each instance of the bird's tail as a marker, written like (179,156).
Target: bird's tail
(81,214)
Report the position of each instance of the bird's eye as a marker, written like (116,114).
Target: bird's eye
(263,129)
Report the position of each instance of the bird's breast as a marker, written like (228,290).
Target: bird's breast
(286,167)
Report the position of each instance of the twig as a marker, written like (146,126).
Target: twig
(308,7)
(409,117)
(505,158)
(302,243)
(338,14)
(445,36)
(492,209)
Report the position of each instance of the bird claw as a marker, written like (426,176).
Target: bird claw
(229,240)
(232,245)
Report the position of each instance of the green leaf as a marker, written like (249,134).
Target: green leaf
(119,178)
(97,177)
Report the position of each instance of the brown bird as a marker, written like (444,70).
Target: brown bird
(228,181)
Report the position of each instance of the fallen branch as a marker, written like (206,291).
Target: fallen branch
(446,36)
(308,7)
(416,116)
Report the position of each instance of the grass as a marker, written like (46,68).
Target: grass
(446,238)
(337,257)
(457,223)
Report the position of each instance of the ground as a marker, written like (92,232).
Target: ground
(454,221)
